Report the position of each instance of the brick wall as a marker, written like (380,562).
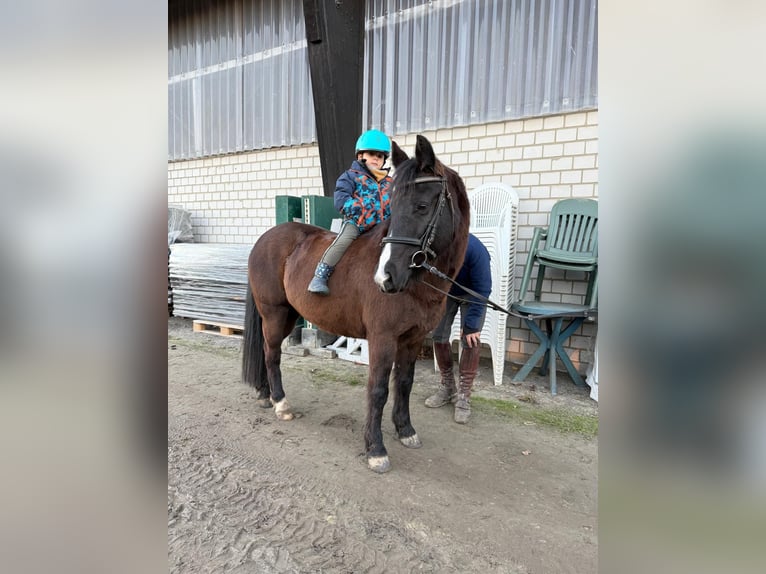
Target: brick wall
(231,198)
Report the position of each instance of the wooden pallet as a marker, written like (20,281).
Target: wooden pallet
(217,328)
(349,349)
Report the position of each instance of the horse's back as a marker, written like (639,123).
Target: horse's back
(274,248)
(286,240)
(281,240)
(282,264)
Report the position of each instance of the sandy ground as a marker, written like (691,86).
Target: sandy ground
(248,493)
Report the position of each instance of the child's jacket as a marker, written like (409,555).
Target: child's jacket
(361,199)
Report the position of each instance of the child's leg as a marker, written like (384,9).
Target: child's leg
(348,232)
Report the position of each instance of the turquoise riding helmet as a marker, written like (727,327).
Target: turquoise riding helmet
(374,140)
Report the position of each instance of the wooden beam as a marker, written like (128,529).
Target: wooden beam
(335,39)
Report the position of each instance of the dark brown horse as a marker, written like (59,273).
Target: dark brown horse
(379,295)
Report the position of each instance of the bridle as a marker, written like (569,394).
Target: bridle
(427,237)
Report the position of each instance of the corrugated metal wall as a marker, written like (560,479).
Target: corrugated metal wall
(438,64)
(239,78)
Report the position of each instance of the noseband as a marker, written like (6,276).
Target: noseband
(427,237)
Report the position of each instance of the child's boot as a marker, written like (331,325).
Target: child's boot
(318,284)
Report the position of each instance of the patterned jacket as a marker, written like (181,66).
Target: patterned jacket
(361,199)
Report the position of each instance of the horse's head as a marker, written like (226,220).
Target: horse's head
(429,218)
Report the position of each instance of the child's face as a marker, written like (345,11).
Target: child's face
(374,159)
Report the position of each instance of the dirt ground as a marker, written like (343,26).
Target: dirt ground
(508,493)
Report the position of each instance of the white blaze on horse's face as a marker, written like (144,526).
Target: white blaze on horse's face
(380,274)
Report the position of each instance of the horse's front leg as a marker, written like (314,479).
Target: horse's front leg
(404,374)
(381,359)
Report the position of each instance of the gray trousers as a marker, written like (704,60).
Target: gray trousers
(348,232)
(442,331)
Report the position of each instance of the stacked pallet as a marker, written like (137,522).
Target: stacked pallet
(179,231)
(209,282)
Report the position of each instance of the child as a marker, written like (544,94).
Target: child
(361,195)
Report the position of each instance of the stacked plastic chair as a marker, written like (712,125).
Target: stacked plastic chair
(571,243)
(494,220)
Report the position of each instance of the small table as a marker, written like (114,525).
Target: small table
(551,343)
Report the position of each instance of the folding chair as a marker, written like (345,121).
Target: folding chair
(571,243)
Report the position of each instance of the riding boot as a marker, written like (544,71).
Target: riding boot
(318,284)
(447,389)
(469,365)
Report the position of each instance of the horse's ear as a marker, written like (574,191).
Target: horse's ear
(424,154)
(397,154)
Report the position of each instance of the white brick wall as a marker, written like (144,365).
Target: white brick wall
(231,198)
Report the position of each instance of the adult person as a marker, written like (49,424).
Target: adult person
(476,275)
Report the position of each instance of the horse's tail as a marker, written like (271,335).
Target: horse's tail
(253,358)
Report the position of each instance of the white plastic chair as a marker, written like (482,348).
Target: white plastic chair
(494,220)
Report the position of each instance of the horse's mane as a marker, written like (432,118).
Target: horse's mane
(455,183)
(462,211)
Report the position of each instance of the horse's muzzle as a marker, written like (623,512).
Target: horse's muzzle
(388,277)
(390,286)
(387,286)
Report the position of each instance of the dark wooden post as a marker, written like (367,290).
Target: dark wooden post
(335,38)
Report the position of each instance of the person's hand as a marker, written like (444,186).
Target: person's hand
(473,340)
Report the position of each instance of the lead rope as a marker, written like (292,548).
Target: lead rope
(485,300)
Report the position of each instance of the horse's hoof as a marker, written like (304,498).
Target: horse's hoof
(411,441)
(379,464)
(282,410)
(263,403)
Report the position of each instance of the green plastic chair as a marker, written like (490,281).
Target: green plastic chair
(570,243)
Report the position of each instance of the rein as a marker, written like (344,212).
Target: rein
(425,240)
(485,300)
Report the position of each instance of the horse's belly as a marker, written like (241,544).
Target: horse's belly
(336,313)
(340,328)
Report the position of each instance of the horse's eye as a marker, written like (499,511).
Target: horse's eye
(422,207)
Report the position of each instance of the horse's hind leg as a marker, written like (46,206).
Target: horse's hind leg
(253,361)
(404,374)
(278,323)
